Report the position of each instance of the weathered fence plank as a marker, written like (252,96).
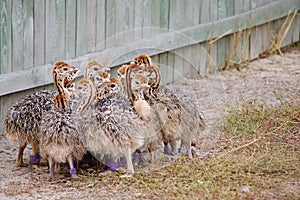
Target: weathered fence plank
(100,24)
(70,45)
(5,37)
(28,34)
(39,33)
(82,28)
(50,33)
(17,35)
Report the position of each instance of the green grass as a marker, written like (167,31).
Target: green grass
(258,156)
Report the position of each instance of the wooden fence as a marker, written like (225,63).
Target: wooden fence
(184,37)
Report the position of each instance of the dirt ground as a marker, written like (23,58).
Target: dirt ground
(264,80)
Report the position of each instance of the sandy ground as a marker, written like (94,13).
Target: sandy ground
(264,80)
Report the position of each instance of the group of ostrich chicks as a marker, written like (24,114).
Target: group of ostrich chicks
(111,117)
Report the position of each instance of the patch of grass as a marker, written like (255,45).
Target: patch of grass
(257,157)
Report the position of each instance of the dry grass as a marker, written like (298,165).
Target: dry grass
(257,157)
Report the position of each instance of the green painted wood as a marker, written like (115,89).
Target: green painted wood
(70,40)
(138,19)
(203,57)
(170,66)
(164,15)
(124,22)
(5,37)
(90,32)
(177,12)
(221,44)
(60,28)
(166,41)
(190,60)
(110,23)
(17,35)
(28,41)
(155,17)
(82,28)
(204,18)
(100,24)
(296,29)
(39,33)
(50,33)
(147,18)
(165,71)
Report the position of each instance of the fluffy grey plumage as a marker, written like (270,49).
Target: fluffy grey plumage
(59,136)
(22,120)
(115,129)
(180,117)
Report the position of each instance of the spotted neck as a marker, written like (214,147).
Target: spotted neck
(62,96)
(86,92)
(130,72)
(152,72)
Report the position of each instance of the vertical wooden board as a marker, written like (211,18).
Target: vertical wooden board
(39,33)
(255,43)
(91,25)
(147,32)
(212,56)
(50,32)
(110,23)
(191,62)
(214,14)
(138,19)
(178,63)
(192,59)
(170,66)
(204,18)
(17,35)
(176,22)
(82,29)
(260,38)
(164,69)
(70,43)
(164,15)
(229,40)
(230,8)
(254,4)
(296,29)
(221,44)
(293,31)
(60,9)
(177,14)
(214,10)
(5,37)
(203,56)
(155,17)
(205,12)
(124,22)
(238,7)
(5,103)
(246,5)
(28,34)
(100,24)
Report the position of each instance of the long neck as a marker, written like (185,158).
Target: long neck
(154,86)
(60,99)
(59,82)
(128,88)
(87,98)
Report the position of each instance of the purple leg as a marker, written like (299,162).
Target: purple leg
(35,159)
